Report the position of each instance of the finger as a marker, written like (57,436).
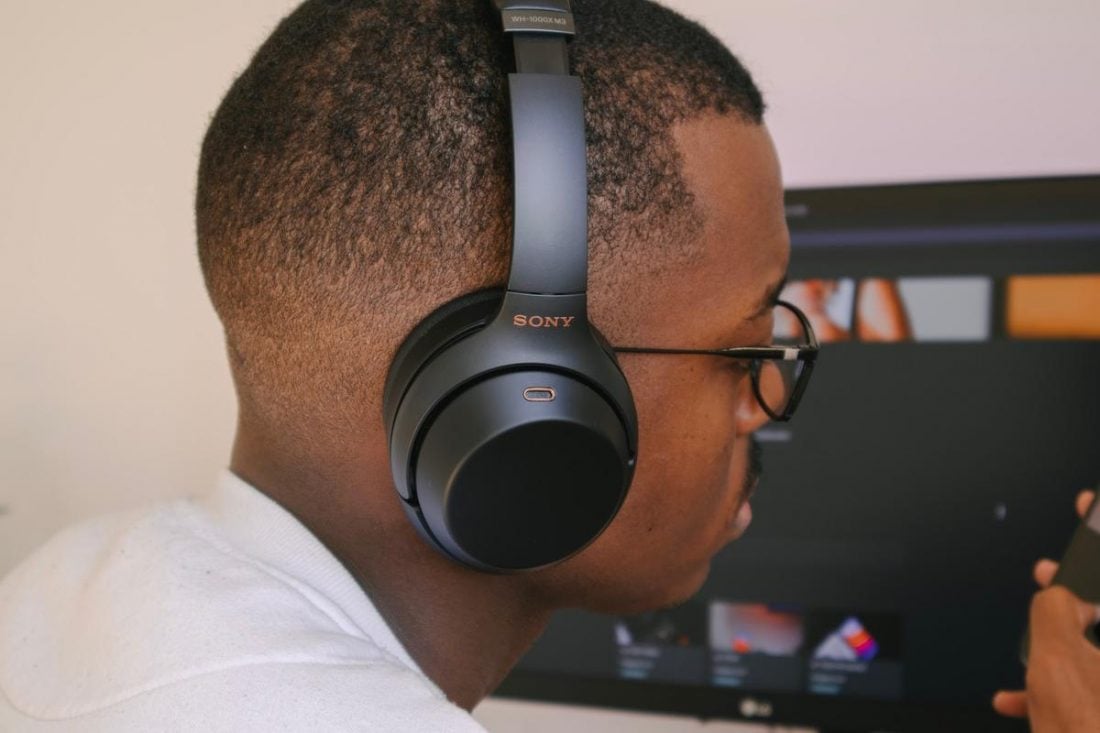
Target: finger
(1084,501)
(1011,704)
(1059,617)
(1044,572)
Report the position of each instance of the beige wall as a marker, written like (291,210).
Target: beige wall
(113,387)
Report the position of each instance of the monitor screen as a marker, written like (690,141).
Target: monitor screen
(951,421)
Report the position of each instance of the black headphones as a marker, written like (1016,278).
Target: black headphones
(512,430)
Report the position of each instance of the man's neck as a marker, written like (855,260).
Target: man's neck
(465,629)
(466,633)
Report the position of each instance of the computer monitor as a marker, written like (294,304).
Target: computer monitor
(951,421)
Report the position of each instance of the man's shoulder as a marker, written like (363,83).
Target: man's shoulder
(288,696)
(153,612)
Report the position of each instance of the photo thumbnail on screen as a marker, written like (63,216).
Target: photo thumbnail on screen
(855,654)
(667,645)
(757,646)
(893,310)
(1053,307)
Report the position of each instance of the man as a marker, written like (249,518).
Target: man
(354,179)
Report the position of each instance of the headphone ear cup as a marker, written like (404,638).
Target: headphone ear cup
(441,328)
(604,343)
(508,457)
(507,481)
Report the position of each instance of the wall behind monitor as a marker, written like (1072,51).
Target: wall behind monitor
(113,387)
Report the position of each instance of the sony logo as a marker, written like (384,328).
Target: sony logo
(545,19)
(543,321)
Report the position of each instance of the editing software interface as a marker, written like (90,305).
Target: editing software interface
(951,420)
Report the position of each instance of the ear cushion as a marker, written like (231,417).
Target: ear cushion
(451,321)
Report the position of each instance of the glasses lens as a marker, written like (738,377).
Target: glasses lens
(788,329)
(776,380)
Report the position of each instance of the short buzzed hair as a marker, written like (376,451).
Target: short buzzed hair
(357,175)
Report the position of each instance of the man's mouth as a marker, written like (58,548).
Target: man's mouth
(753,471)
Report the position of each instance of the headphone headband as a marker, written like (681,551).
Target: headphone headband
(550,235)
(550,224)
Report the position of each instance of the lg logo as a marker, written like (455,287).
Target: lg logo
(752,708)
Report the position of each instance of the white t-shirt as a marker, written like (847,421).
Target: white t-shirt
(216,614)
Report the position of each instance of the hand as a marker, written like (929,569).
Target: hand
(1063,672)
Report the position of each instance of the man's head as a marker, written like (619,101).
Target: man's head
(357,177)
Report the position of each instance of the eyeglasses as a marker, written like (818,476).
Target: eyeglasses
(780,372)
